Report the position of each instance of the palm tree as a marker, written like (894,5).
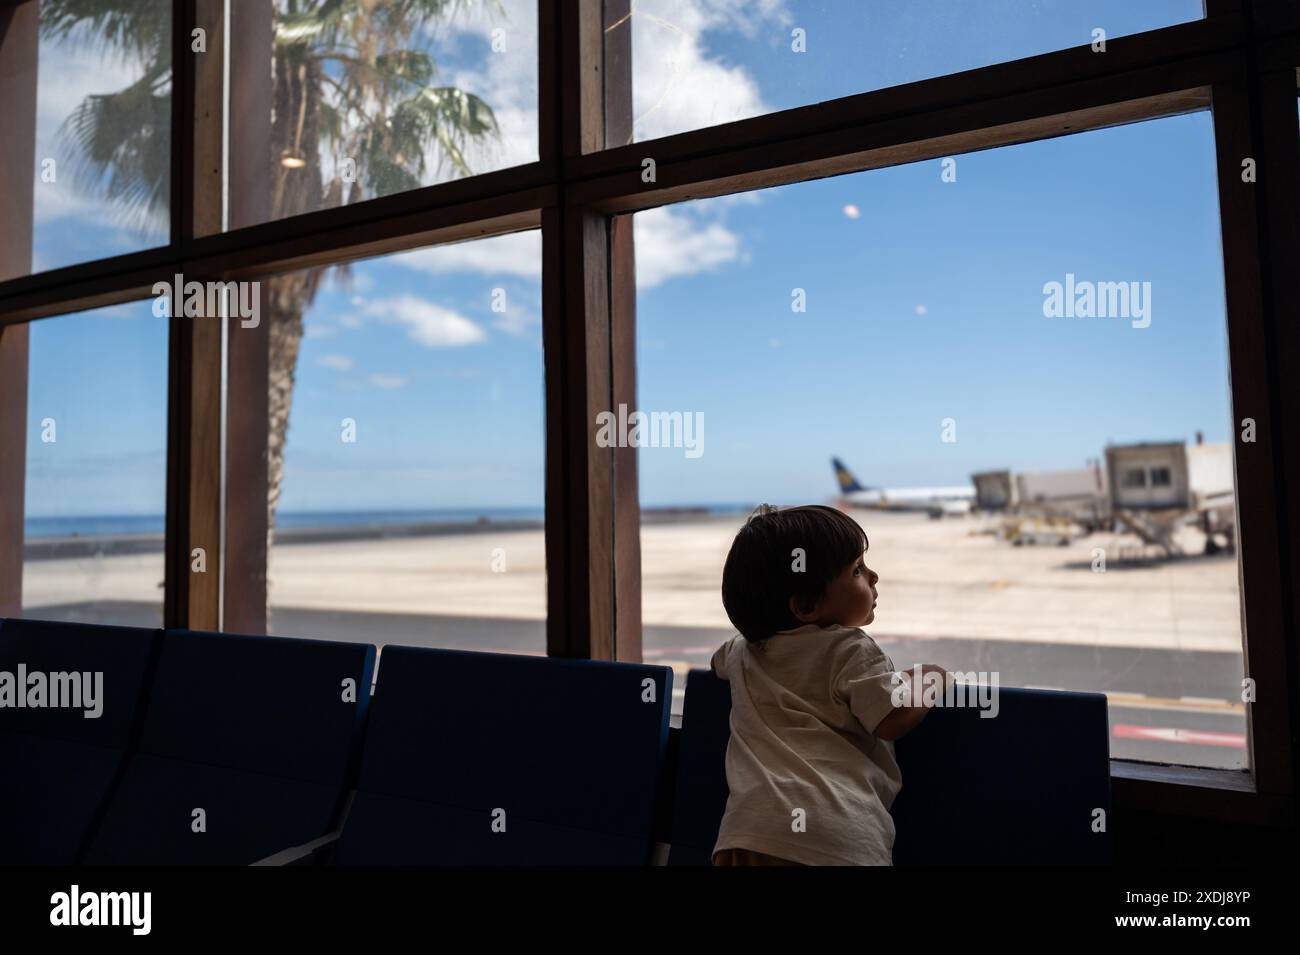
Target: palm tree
(356,114)
(120,141)
(349,89)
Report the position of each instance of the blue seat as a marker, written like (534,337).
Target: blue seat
(59,766)
(700,789)
(567,754)
(256,732)
(1019,789)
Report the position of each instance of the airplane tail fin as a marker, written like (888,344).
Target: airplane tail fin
(848,483)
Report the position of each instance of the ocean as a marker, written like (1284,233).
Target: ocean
(152,525)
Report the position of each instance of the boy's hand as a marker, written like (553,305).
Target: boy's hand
(906,718)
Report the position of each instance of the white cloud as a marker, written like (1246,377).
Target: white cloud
(677,86)
(387,381)
(337,362)
(431,325)
(126,312)
(670,243)
(518,322)
(744,16)
(518,254)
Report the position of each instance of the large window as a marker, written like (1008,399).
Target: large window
(96,467)
(902,320)
(408,486)
(858,262)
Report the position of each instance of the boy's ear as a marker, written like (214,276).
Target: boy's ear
(803,610)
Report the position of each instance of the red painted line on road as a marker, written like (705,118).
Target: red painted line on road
(1162,734)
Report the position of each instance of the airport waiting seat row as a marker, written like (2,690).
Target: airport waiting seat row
(223,749)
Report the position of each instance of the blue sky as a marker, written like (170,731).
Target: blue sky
(861,374)
(447,393)
(699,62)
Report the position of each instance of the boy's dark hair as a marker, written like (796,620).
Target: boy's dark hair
(759,577)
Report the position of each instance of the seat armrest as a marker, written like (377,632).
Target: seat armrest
(298,855)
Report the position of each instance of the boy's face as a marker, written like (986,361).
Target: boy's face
(850,600)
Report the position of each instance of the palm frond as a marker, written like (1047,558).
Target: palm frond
(386,114)
(445,115)
(118,146)
(423,11)
(306,25)
(407,66)
(139,29)
(387,177)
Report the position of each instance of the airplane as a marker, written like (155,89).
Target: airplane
(935,501)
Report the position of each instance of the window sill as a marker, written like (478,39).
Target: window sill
(1224,795)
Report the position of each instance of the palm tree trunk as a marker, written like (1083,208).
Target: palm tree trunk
(296,189)
(288,300)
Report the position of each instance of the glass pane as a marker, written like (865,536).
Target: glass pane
(96,467)
(103,129)
(366,100)
(904,321)
(410,506)
(698,63)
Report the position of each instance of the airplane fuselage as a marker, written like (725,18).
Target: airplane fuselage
(947,499)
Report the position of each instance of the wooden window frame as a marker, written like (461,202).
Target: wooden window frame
(1241,61)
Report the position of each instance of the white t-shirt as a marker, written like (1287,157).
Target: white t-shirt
(804,705)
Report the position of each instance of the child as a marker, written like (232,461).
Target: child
(810,763)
